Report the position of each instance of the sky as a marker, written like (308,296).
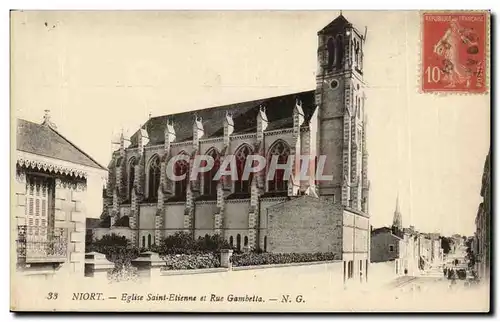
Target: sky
(101,72)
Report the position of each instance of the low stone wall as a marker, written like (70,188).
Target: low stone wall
(150,266)
(270,266)
(195,271)
(313,275)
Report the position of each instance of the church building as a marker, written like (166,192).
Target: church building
(274,215)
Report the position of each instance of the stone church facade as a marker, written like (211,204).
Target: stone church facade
(256,213)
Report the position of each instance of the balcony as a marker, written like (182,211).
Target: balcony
(41,244)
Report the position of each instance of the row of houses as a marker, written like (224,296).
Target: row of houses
(481,242)
(409,250)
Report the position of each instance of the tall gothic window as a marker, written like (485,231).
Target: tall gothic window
(209,184)
(359,107)
(131,175)
(339,51)
(241,185)
(356,53)
(181,167)
(315,171)
(154,177)
(238,242)
(330,47)
(278,182)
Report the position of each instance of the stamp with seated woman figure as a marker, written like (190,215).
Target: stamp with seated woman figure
(455,52)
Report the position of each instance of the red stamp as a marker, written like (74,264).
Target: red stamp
(454,52)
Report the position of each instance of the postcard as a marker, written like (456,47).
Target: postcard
(250,161)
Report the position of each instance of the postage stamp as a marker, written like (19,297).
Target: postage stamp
(454,52)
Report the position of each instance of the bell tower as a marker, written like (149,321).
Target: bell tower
(340,98)
(397,221)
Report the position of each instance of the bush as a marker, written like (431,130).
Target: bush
(124,273)
(211,243)
(184,243)
(116,248)
(110,240)
(249,259)
(180,251)
(179,243)
(190,261)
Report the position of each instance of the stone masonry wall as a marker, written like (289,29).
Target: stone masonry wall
(305,224)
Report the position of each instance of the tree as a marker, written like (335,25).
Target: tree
(470,254)
(116,248)
(446,244)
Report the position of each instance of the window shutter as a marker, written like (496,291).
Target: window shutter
(37,210)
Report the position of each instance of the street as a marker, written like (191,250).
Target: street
(432,289)
(434,279)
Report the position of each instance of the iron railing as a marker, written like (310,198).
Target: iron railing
(42,244)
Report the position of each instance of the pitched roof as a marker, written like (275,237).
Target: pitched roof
(338,23)
(385,230)
(45,141)
(381,230)
(279,111)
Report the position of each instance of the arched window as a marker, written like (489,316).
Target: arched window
(245,241)
(209,184)
(154,177)
(149,240)
(181,168)
(339,51)
(330,47)
(143,241)
(265,243)
(361,61)
(359,107)
(131,175)
(316,168)
(282,150)
(231,241)
(241,185)
(238,242)
(356,54)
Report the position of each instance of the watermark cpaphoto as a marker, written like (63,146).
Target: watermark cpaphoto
(304,165)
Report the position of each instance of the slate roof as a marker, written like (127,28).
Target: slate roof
(381,230)
(384,230)
(45,141)
(338,23)
(279,111)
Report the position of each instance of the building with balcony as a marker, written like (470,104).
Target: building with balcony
(56,186)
